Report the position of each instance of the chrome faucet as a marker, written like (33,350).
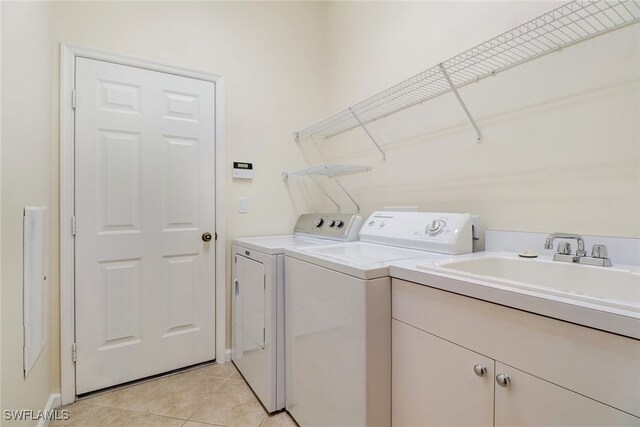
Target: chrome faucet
(579,252)
(599,255)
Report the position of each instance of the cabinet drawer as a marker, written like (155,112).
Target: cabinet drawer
(600,365)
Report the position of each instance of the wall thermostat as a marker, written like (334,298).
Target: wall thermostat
(243,170)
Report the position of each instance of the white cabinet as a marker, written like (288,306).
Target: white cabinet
(427,371)
(531,401)
(560,374)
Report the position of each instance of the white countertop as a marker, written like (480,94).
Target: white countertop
(563,307)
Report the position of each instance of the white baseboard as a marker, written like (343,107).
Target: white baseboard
(53,403)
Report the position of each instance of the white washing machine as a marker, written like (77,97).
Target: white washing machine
(258,272)
(338,315)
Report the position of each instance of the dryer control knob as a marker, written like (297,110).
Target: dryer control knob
(339,223)
(319,222)
(332,223)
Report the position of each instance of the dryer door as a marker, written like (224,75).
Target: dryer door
(250,294)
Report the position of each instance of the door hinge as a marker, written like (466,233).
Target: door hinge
(235,258)
(74,101)
(265,282)
(216,235)
(74,352)
(73,225)
(264,335)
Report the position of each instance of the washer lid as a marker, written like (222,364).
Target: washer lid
(275,245)
(359,259)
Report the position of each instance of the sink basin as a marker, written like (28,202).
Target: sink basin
(610,286)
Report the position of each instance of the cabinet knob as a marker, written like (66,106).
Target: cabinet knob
(480,370)
(503,380)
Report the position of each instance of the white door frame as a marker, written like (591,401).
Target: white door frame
(68,54)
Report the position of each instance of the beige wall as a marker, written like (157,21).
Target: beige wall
(262,49)
(27,61)
(561,149)
(0,211)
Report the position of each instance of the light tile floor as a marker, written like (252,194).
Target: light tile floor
(210,395)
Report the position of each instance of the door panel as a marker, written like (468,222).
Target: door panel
(434,383)
(118,181)
(145,284)
(252,297)
(531,401)
(120,291)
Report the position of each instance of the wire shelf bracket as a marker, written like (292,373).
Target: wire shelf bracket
(355,116)
(331,171)
(462,104)
(326,193)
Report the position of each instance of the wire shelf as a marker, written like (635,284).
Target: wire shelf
(326,169)
(563,26)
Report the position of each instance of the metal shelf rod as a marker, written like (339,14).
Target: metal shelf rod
(462,104)
(321,188)
(344,190)
(384,156)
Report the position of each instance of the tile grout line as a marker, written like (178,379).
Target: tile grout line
(263,419)
(109,421)
(149,413)
(207,399)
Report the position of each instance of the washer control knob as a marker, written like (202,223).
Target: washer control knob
(339,223)
(319,222)
(332,223)
(372,223)
(435,227)
(382,223)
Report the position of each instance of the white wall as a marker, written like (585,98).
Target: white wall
(561,149)
(261,48)
(27,62)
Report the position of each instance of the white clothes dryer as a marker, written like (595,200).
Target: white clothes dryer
(258,341)
(338,316)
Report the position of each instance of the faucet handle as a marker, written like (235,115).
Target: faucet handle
(599,251)
(564,248)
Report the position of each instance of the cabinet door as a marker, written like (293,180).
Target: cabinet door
(434,382)
(531,401)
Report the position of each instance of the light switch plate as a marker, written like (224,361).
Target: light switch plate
(243,205)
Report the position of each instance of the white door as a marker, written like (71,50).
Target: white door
(144,161)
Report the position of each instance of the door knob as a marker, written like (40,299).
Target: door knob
(206,237)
